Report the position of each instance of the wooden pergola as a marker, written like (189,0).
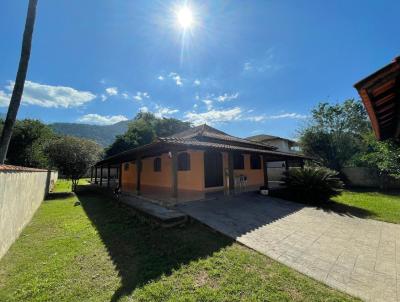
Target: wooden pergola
(380,93)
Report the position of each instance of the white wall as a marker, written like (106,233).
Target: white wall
(21,193)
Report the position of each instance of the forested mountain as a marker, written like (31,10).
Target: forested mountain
(104,135)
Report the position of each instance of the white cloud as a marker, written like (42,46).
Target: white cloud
(209,104)
(112,91)
(103,97)
(4,99)
(196,82)
(143,109)
(263,117)
(125,95)
(247,66)
(214,116)
(227,97)
(266,63)
(161,78)
(140,96)
(289,115)
(164,111)
(48,96)
(257,118)
(176,77)
(98,119)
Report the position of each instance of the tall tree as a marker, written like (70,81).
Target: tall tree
(19,81)
(73,156)
(335,133)
(28,142)
(143,130)
(383,156)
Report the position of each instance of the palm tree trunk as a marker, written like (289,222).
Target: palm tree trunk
(19,81)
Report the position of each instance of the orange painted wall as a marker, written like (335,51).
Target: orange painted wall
(187,180)
(194,178)
(254,177)
(159,179)
(128,178)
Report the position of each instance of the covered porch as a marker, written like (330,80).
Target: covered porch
(172,173)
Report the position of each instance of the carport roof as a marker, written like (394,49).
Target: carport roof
(380,93)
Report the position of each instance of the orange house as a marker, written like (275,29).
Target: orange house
(191,163)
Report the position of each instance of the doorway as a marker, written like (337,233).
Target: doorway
(213,169)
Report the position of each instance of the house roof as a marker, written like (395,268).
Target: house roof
(380,93)
(207,132)
(201,137)
(195,143)
(267,137)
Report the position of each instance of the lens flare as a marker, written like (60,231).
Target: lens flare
(184,17)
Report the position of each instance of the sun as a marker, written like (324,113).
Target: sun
(184,17)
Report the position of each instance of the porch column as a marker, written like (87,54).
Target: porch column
(231,175)
(95,175)
(108,176)
(138,173)
(91,174)
(264,160)
(101,176)
(174,171)
(120,176)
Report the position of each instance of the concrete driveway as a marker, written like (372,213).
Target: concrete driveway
(355,255)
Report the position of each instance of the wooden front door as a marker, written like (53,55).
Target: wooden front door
(213,169)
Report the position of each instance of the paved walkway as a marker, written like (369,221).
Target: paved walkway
(167,217)
(357,256)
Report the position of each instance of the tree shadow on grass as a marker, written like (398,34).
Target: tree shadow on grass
(141,251)
(59,195)
(345,210)
(328,206)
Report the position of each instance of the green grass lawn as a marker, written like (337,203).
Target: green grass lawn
(64,185)
(97,251)
(375,205)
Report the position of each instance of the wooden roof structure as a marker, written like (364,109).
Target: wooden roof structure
(201,137)
(380,93)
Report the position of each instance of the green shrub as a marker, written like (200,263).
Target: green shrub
(312,184)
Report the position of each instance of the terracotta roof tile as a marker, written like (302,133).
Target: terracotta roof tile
(210,132)
(19,168)
(188,142)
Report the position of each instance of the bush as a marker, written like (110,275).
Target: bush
(312,184)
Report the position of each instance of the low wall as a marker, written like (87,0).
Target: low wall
(22,190)
(368,178)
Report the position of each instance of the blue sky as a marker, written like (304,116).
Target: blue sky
(245,67)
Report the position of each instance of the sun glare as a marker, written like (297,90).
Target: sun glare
(184,17)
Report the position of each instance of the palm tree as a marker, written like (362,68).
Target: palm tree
(19,81)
